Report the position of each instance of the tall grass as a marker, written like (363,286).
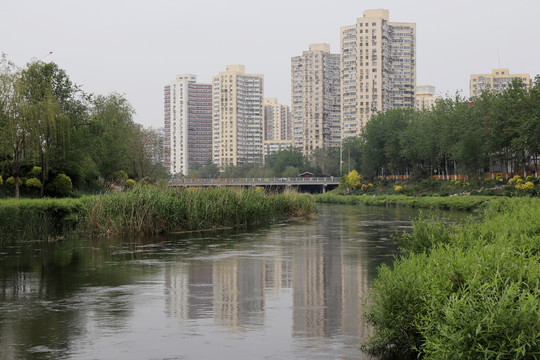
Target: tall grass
(465,203)
(147,210)
(37,219)
(150,209)
(463,292)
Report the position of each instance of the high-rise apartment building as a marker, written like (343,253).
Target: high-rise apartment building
(237,117)
(378,68)
(425,97)
(315,96)
(497,81)
(277,126)
(188,124)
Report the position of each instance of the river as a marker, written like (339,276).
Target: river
(291,290)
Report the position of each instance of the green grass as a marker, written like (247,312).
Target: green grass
(465,203)
(469,291)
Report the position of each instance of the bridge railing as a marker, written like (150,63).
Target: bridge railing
(255,181)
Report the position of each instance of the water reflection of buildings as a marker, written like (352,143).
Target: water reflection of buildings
(326,272)
(229,290)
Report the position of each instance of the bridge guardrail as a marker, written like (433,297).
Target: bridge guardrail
(256,181)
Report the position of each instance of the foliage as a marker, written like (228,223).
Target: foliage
(352,180)
(468,291)
(130,183)
(61,185)
(458,136)
(1,180)
(47,120)
(37,219)
(35,172)
(33,182)
(290,172)
(152,209)
(463,203)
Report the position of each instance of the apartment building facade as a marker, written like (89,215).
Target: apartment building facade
(425,97)
(315,97)
(498,81)
(277,127)
(187,129)
(378,68)
(237,117)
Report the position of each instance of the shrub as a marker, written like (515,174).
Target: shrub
(528,186)
(468,292)
(130,183)
(398,188)
(33,182)
(35,172)
(1,180)
(61,184)
(10,181)
(120,176)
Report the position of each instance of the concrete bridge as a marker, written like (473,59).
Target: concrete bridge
(307,184)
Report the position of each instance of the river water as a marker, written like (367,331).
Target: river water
(291,290)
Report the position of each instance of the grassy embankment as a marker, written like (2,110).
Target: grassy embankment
(466,203)
(469,291)
(147,210)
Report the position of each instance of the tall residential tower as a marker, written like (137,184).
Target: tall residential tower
(188,124)
(277,126)
(237,117)
(378,68)
(315,94)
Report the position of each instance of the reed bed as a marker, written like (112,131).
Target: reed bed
(468,291)
(151,209)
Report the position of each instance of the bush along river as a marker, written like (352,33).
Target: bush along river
(291,290)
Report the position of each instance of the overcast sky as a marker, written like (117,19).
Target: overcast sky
(135,47)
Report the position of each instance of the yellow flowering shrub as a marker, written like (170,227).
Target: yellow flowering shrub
(528,186)
(398,188)
(130,183)
(514,180)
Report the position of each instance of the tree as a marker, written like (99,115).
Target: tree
(280,160)
(14,119)
(110,129)
(352,180)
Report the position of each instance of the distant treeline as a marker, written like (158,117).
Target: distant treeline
(49,126)
(496,132)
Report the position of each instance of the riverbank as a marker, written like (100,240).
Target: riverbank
(147,210)
(463,291)
(464,203)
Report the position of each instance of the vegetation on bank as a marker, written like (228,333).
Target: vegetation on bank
(467,291)
(465,203)
(150,209)
(49,127)
(146,210)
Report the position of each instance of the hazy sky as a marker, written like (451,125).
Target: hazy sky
(135,47)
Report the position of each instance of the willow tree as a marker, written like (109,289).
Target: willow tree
(14,119)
